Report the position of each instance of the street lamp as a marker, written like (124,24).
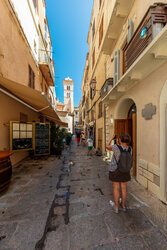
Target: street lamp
(93,85)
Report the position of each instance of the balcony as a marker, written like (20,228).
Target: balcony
(118,12)
(47,67)
(154,55)
(154,20)
(106,87)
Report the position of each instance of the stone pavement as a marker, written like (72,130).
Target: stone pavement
(64,205)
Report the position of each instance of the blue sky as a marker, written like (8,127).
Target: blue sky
(69,22)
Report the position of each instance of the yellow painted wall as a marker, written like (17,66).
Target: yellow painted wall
(15,52)
(11,112)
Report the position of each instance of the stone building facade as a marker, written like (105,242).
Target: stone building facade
(26,68)
(126,81)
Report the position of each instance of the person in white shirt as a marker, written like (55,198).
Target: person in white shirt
(90,145)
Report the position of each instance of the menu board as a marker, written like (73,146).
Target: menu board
(21,136)
(42,138)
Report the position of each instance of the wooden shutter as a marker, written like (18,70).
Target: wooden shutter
(33,80)
(116,65)
(100,109)
(93,58)
(130,29)
(101,31)
(29,80)
(93,29)
(100,138)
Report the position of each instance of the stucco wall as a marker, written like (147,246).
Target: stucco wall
(10,111)
(148,131)
(15,53)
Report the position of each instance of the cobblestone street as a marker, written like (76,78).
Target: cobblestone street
(62,204)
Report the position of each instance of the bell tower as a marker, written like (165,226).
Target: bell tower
(68,94)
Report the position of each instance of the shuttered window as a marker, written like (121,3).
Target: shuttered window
(31,82)
(116,66)
(93,58)
(46,90)
(93,29)
(100,109)
(101,31)
(100,1)
(35,4)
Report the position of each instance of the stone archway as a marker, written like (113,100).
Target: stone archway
(122,109)
(125,121)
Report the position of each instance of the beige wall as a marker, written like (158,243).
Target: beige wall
(15,52)
(151,161)
(10,111)
(148,131)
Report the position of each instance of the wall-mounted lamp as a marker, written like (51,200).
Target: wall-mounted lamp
(93,83)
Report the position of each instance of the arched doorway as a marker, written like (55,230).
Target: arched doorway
(125,122)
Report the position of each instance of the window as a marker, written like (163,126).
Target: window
(100,1)
(50,50)
(46,90)
(116,66)
(35,47)
(93,29)
(101,32)
(92,115)
(100,109)
(42,86)
(35,4)
(84,114)
(92,93)
(130,29)
(31,82)
(93,58)
(46,31)
(68,95)
(157,27)
(68,87)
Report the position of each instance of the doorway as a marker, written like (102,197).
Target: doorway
(126,123)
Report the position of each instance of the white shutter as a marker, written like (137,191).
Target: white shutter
(116,65)
(130,29)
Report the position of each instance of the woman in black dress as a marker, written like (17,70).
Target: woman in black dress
(118,178)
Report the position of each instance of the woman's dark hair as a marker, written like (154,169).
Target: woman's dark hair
(125,138)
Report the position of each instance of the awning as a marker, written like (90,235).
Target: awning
(34,98)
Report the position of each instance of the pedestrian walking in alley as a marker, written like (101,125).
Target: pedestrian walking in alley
(83,139)
(90,145)
(78,137)
(119,172)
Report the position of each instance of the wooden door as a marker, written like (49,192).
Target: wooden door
(128,126)
(122,126)
(100,136)
(134,142)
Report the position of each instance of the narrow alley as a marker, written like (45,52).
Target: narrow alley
(63,204)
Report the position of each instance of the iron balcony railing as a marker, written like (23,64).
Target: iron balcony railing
(108,84)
